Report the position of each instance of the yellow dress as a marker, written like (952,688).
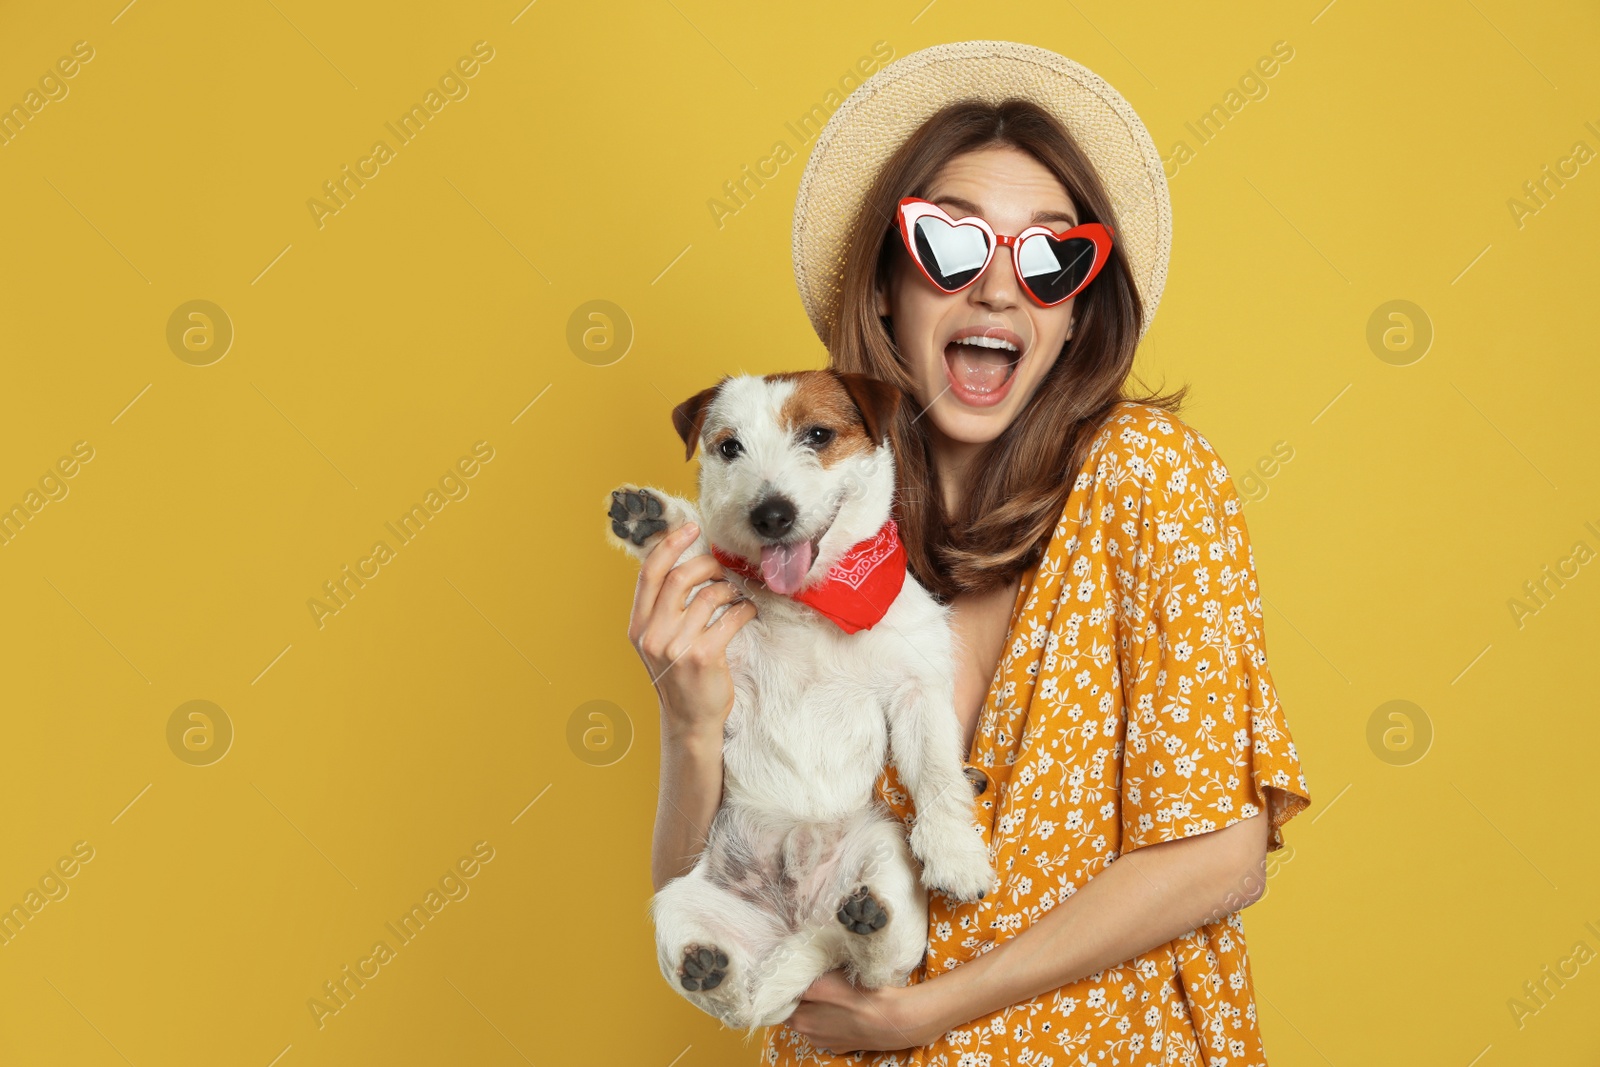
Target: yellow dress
(1133,706)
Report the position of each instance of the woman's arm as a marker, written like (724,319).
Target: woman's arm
(1142,901)
(691,792)
(688,664)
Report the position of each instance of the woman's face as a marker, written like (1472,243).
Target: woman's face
(969,389)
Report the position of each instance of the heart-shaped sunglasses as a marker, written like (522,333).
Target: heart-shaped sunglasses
(1052,266)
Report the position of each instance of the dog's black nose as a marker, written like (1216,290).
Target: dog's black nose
(773,517)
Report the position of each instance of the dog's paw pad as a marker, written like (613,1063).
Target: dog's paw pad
(636,515)
(861,913)
(703,968)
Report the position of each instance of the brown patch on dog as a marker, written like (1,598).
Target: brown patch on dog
(857,408)
(689,416)
(714,442)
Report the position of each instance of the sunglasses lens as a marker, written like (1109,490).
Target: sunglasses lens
(952,255)
(1054,269)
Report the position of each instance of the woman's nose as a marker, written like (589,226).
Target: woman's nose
(997,289)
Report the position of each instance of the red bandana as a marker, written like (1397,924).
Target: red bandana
(858,589)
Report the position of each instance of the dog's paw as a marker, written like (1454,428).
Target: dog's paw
(639,518)
(861,913)
(702,968)
(955,862)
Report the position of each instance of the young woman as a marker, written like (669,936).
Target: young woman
(1131,761)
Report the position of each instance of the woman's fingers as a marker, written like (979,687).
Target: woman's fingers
(704,603)
(665,620)
(719,633)
(831,987)
(654,571)
(674,636)
(674,596)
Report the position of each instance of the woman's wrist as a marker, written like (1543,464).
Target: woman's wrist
(695,740)
(933,1007)
(956,997)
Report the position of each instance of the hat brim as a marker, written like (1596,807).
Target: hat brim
(888,107)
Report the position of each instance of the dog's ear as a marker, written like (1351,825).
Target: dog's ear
(876,399)
(689,416)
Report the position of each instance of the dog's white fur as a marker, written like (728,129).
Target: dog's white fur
(815,711)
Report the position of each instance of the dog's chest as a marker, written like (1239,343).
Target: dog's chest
(809,672)
(810,714)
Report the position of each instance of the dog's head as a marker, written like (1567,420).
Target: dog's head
(795,468)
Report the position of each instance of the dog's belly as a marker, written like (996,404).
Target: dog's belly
(806,748)
(795,870)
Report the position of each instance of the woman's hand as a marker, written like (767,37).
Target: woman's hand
(837,1017)
(687,660)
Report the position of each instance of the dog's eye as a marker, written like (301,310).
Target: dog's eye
(818,437)
(730,448)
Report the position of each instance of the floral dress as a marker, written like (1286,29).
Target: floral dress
(1133,706)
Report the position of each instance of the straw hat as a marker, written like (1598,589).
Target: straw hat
(884,110)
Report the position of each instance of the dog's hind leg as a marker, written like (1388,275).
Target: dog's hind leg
(885,912)
(788,970)
(874,955)
(858,903)
(708,941)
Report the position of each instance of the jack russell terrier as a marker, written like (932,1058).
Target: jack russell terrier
(848,658)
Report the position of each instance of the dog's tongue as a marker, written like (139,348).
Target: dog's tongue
(783,567)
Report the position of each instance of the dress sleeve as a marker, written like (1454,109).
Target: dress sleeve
(1206,743)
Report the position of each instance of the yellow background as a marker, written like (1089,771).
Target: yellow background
(428,715)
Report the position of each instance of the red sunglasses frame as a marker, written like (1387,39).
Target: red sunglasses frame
(1100,235)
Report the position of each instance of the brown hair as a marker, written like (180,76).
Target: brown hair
(1021,480)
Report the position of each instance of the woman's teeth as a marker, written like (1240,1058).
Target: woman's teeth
(987,342)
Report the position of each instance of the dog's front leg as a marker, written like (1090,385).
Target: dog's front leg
(926,740)
(639,519)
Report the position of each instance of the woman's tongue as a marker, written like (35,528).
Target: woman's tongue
(784,567)
(978,370)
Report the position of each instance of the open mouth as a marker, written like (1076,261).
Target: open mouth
(981,364)
(784,566)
